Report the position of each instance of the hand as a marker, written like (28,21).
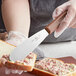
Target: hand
(14,38)
(8,71)
(70,18)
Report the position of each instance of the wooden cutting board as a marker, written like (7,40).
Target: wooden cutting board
(65,59)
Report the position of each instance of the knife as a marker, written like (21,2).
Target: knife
(21,51)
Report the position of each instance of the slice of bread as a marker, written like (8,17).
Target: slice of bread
(26,64)
(53,67)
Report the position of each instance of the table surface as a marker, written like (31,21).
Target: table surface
(65,59)
(62,49)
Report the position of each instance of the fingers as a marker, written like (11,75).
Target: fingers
(74,26)
(16,71)
(19,71)
(65,22)
(73,23)
(60,9)
(3,60)
(8,71)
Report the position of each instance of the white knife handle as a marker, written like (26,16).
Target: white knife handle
(55,23)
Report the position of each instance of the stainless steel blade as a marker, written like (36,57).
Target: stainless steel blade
(21,51)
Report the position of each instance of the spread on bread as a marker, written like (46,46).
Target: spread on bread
(26,61)
(44,67)
(55,66)
(26,64)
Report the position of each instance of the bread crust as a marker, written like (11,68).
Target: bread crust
(72,74)
(16,66)
(7,43)
(39,72)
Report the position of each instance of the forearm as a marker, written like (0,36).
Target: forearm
(16,15)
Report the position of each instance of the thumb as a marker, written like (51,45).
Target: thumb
(60,9)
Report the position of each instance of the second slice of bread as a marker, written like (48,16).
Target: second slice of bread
(42,69)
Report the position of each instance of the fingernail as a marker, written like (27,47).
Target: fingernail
(14,71)
(7,71)
(20,71)
(57,34)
